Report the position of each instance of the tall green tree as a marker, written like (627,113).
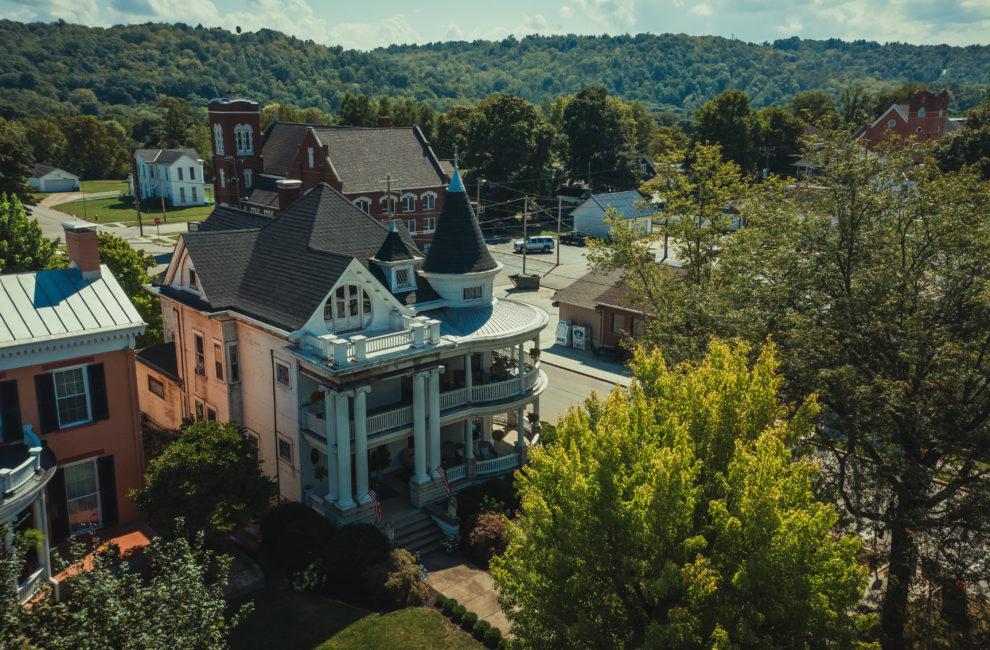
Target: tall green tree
(817,108)
(728,122)
(874,286)
(177,123)
(779,134)
(130,267)
(46,140)
(677,515)
(92,150)
(209,479)
(508,141)
(969,145)
(854,103)
(600,140)
(106,603)
(23,246)
(16,163)
(452,131)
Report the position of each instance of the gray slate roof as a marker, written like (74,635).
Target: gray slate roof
(280,273)
(60,303)
(165,156)
(361,157)
(458,246)
(223,218)
(625,204)
(40,170)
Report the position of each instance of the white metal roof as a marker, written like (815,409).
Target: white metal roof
(53,304)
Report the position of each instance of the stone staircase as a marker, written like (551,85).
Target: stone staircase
(416,532)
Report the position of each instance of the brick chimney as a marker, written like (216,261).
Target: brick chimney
(289,191)
(384,122)
(83,248)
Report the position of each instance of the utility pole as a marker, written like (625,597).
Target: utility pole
(388,194)
(558,230)
(83,188)
(161,190)
(525,223)
(766,152)
(477,196)
(136,187)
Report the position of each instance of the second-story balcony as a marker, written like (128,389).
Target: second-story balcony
(346,350)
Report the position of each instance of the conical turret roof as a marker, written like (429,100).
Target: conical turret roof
(458,246)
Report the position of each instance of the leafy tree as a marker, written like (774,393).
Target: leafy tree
(728,122)
(815,107)
(23,247)
(175,127)
(210,479)
(507,140)
(357,110)
(676,515)
(643,124)
(874,286)
(92,150)
(779,133)
(600,140)
(667,141)
(969,145)
(16,163)
(130,267)
(177,603)
(855,104)
(901,95)
(452,131)
(46,140)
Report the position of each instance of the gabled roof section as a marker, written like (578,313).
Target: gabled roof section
(61,303)
(360,156)
(458,246)
(627,204)
(393,248)
(281,272)
(165,156)
(224,218)
(43,170)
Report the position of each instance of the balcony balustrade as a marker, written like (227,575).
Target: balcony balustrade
(496,465)
(12,478)
(357,348)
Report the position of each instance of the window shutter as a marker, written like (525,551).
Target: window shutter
(10,411)
(47,407)
(97,392)
(108,491)
(59,507)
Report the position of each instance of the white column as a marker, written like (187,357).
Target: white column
(521,422)
(486,427)
(361,442)
(521,365)
(468,376)
(434,402)
(344,450)
(329,416)
(39,516)
(469,439)
(419,427)
(486,361)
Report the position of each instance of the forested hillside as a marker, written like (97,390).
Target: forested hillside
(62,69)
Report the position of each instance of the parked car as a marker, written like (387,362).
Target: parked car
(543,244)
(574,238)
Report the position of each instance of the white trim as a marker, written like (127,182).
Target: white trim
(288,367)
(89,407)
(99,501)
(60,347)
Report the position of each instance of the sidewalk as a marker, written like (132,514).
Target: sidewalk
(456,578)
(584,362)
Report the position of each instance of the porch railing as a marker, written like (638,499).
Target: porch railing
(388,341)
(14,477)
(504,389)
(402,416)
(453,398)
(457,473)
(496,465)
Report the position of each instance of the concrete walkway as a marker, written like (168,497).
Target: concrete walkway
(455,577)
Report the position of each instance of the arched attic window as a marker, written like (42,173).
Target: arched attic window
(218,139)
(429,200)
(348,308)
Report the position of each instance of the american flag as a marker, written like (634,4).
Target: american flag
(378,506)
(443,475)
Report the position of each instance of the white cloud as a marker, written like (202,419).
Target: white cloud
(366,36)
(73,11)
(792,26)
(598,14)
(701,10)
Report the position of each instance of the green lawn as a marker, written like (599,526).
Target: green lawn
(291,620)
(118,210)
(95,187)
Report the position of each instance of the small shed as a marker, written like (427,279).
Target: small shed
(589,217)
(52,179)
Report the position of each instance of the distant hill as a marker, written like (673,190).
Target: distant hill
(60,68)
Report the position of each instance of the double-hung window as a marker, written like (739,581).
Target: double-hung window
(71,396)
(200,354)
(82,492)
(218,360)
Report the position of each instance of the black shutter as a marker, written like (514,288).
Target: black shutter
(10,411)
(97,392)
(59,507)
(47,406)
(108,491)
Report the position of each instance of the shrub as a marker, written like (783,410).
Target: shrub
(276,520)
(481,629)
(449,605)
(486,539)
(440,601)
(468,621)
(303,541)
(492,637)
(505,644)
(397,581)
(457,613)
(351,551)
(496,491)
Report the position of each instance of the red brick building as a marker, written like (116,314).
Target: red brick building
(925,117)
(264,172)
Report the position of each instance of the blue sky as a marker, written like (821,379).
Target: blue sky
(374,23)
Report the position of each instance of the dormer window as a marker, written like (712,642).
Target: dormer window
(348,308)
(192,279)
(402,278)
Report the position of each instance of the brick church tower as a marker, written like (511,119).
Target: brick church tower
(236,137)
